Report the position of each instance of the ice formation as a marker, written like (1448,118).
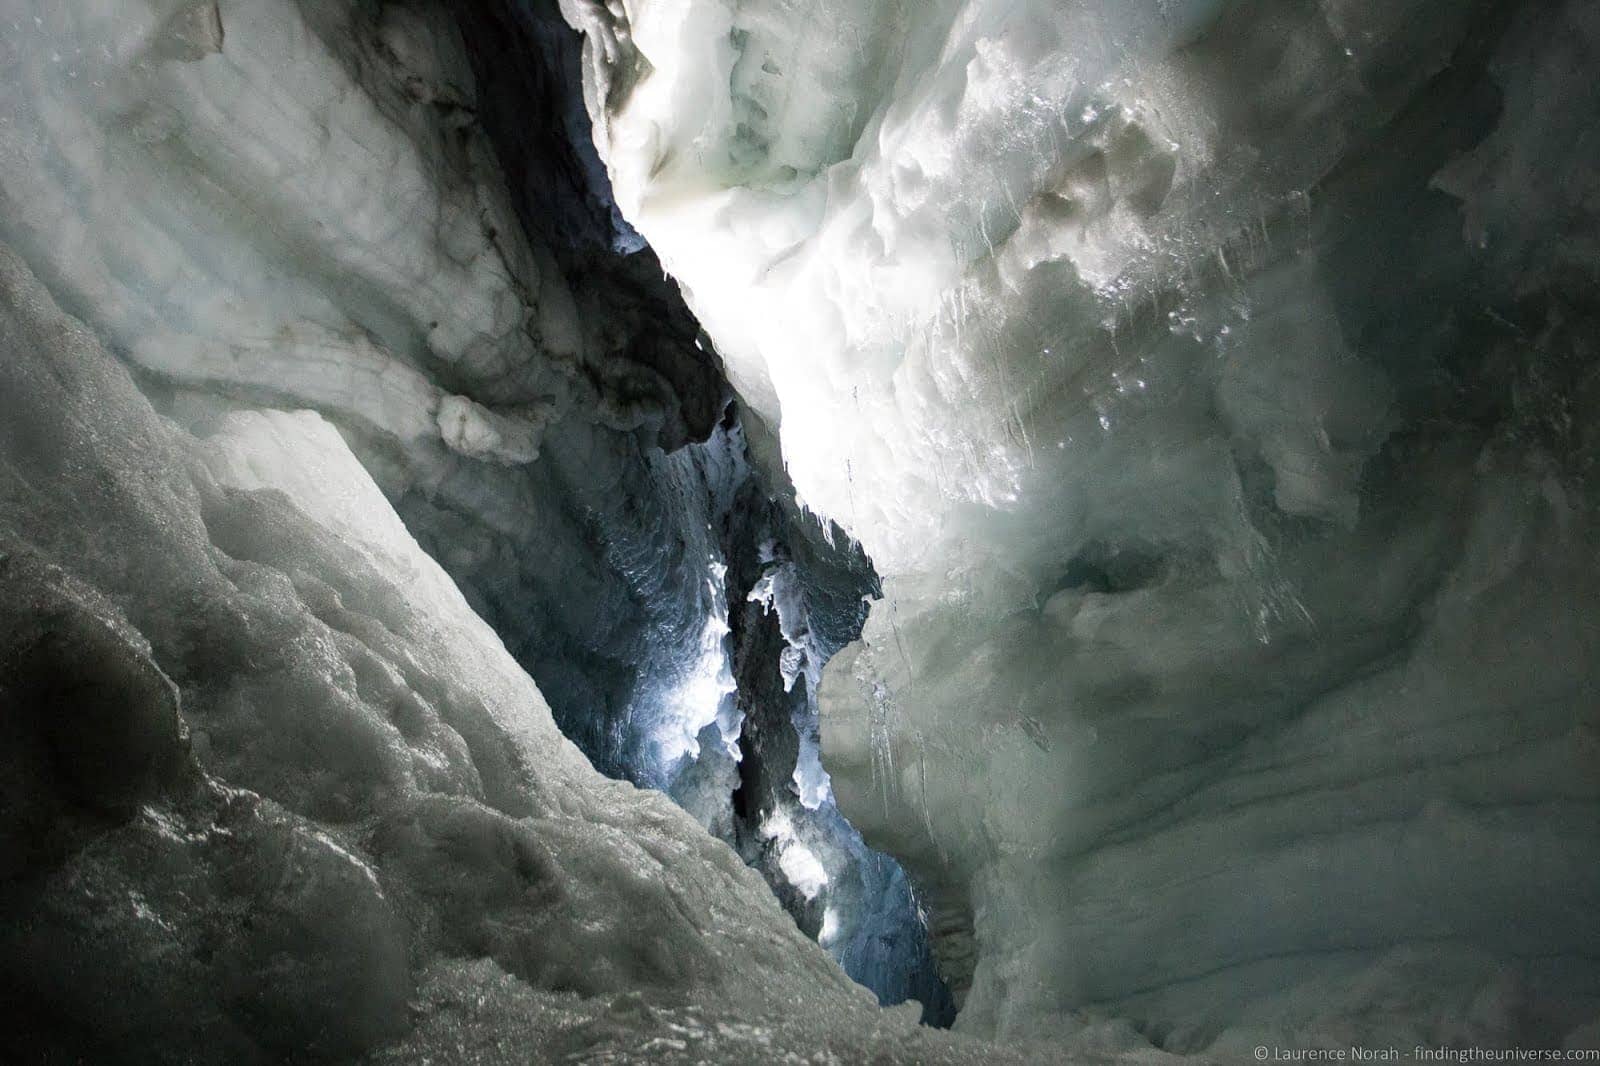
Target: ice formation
(1212,385)
(328,417)
(1202,394)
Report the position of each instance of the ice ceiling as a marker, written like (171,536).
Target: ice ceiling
(1194,402)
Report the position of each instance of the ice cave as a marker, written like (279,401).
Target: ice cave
(799,531)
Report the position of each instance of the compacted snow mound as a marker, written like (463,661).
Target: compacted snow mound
(1212,385)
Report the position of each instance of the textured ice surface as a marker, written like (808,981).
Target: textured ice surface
(1213,386)
(273,791)
(346,332)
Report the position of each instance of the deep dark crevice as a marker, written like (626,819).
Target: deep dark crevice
(529,100)
(525,59)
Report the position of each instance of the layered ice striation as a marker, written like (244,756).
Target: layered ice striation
(1212,386)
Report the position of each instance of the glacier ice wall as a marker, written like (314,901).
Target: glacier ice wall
(1212,384)
(294,206)
(293,223)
